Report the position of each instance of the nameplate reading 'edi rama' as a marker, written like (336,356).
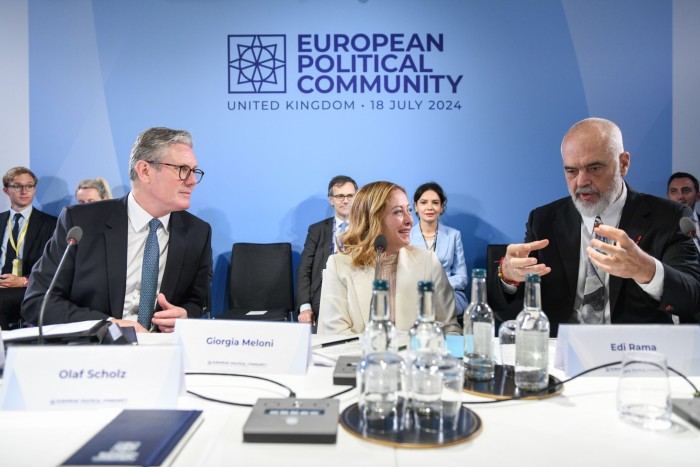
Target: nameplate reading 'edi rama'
(89,377)
(584,346)
(237,346)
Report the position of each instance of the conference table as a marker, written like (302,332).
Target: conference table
(580,426)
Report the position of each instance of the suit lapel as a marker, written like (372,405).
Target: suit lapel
(116,240)
(326,240)
(362,278)
(635,221)
(569,242)
(404,283)
(442,243)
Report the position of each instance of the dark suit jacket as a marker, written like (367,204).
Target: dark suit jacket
(93,282)
(317,249)
(654,221)
(39,231)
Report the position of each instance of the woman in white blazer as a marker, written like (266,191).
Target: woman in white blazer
(430,203)
(381,208)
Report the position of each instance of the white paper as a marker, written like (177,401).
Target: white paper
(238,346)
(89,376)
(580,347)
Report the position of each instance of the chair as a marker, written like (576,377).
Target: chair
(261,283)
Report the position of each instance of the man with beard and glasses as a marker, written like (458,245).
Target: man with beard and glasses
(606,254)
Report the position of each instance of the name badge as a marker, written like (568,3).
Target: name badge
(236,346)
(580,347)
(88,377)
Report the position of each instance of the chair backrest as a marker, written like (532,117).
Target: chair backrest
(261,279)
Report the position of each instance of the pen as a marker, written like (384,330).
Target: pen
(342,341)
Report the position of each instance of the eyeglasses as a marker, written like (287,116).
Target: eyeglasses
(21,187)
(185,171)
(341,197)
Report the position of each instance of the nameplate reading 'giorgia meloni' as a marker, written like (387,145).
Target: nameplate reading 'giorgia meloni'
(581,347)
(88,377)
(237,346)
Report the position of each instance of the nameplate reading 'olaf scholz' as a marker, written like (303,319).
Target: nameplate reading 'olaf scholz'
(584,346)
(88,377)
(238,346)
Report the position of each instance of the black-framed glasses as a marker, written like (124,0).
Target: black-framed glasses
(341,197)
(184,171)
(29,187)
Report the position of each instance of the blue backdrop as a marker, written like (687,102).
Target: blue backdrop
(229,72)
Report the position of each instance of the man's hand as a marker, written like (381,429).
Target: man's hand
(623,259)
(165,319)
(306,316)
(517,263)
(10,280)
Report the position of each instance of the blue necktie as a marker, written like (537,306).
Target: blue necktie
(341,228)
(149,275)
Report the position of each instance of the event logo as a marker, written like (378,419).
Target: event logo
(257,64)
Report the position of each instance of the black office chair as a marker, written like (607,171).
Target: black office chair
(494,252)
(261,286)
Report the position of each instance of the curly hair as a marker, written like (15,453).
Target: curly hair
(366,222)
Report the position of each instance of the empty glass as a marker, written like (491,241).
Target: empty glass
(506,339)
(381,379)
(643,393)
(436,382)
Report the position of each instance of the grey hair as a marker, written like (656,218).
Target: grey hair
(150,146)
(608,131)
(99,184)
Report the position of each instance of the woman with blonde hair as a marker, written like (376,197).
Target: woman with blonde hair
(381,208)
(92,189)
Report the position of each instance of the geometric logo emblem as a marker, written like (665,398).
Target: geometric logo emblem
(257,64)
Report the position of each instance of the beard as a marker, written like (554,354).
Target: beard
(605,198)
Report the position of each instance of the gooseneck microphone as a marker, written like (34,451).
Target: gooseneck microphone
(379,248)
(73,237)
(688,229)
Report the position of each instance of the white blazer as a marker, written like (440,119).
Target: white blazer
(347,292)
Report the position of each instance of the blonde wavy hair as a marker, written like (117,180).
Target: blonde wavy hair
(366,222)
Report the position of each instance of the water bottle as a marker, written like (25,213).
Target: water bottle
(380,333)
(426,334)
(532,340)
(478,332)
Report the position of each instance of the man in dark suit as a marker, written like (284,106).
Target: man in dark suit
(319,245)
(132,247)
(26,231)
(647,267)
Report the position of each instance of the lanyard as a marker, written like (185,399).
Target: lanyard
(17,246)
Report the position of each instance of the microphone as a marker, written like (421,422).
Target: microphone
(688,229)
(379,248)
(73,237)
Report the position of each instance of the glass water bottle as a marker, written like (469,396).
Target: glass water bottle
(532,340)
(478,332)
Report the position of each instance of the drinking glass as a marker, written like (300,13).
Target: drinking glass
(381,379)
(643,392)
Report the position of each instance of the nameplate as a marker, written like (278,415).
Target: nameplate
(238,346)
(581,347)
(88,377)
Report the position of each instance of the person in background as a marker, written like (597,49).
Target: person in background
(683,187)
(430,202)
(381,208)
(606,254)
(319,245)
(90,190)
(143,261)
(25,233)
